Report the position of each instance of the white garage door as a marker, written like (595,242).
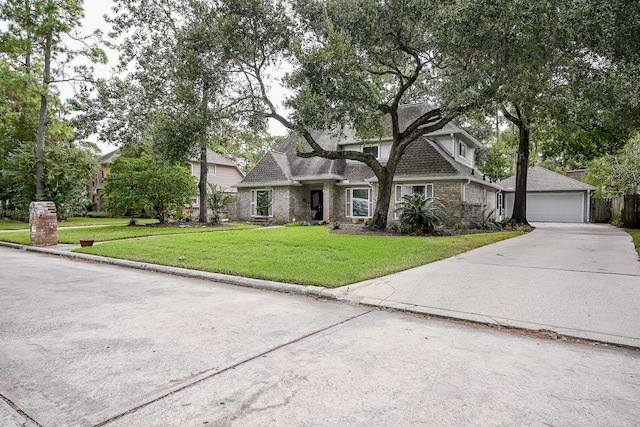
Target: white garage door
(552,207)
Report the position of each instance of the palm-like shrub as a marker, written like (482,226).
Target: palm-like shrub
(420,213)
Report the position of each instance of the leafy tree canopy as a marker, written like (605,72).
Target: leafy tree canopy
(136,183)
(619,174)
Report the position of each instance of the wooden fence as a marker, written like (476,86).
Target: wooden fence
(624,208)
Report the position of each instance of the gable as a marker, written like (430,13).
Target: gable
(268,170)
(423,158)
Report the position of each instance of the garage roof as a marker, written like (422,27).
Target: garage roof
(541,179)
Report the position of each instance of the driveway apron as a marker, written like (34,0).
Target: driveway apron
(578,280)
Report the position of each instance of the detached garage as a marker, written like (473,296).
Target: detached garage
(551,197)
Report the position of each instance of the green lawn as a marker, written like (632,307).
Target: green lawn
(635,234)
(114,232)
(304,255)
(7,224)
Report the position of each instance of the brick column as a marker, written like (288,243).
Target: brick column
(43,222)
(328,201)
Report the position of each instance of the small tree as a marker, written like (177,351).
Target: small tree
(420,213)
(135,183)
(218,201)
(617,175)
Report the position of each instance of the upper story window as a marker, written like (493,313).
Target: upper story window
(463,149)
(211,169)
(372,149)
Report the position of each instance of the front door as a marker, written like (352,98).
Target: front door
(316,205)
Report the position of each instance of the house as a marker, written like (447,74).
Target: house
(97,184)
(551,197)
(285,187)
(222,172)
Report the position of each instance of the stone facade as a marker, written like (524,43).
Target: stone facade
(43,222)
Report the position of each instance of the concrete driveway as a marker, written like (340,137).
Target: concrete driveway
(579,280)
(86,344)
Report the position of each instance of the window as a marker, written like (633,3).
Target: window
(195,201)
(372,149)
(359,202)
(211,169)
(463,149)
(423,190)
(261,202)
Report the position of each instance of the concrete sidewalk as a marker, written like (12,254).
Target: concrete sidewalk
(579,280)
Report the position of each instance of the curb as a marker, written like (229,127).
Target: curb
(314,291)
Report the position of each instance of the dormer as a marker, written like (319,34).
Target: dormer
(457,143)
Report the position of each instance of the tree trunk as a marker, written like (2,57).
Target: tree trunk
(385,187)
(519,214)
(202,184)
(520,202)
(42,119)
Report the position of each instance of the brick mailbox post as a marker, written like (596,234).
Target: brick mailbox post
(44,224)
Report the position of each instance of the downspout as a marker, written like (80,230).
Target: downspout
(464,190)
(588,205)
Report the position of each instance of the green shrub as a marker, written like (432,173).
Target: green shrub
(334,225)
(215,218)
(421,214)
(461,226)
(488,222)
(398,228)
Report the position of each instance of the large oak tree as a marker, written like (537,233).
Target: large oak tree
(355,63)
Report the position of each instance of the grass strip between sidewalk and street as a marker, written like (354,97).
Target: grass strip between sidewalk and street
(116,232)
(302,255)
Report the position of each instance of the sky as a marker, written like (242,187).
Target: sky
(94,19)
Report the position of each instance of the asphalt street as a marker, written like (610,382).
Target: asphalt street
(84,343)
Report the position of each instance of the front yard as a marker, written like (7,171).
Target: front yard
(303,255)
(114,232)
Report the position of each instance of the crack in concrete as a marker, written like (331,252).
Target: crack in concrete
(228,368)
(19,410)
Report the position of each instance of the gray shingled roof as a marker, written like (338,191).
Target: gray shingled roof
(109,157)
(541,179)
(424,158)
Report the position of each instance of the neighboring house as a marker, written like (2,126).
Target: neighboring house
(97,184)
(285,187)
(551,197)
(222,172)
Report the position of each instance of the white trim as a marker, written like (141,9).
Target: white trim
(349,202)
(399,190)
(363,146)
(253,203)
